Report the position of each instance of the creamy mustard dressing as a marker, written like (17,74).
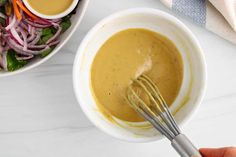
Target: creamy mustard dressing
(50,7)
(125,56)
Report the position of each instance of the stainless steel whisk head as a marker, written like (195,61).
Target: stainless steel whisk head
(143,95)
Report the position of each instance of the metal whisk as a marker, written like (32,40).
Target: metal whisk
(144,96)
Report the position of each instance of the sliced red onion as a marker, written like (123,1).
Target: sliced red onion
(54,43)
(36,39)
(25,57)
(43,46)
(12,22)
(55,24)
(30,29)
(16,36)
(16,24)
(3,39)
(19,49)
(3,61)
(11,36)
(24,36)
(37,46)
(56,35)
(38,29)
(32,34)
(31,38)
(37,25)
(1,49)
(40,21)
(15,46)
(56,20)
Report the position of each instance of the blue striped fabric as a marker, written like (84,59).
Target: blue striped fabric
(195,9)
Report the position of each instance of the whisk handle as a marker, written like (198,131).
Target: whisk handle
(184,146)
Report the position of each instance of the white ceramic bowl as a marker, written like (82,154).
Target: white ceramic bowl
(75,20)
(194,82)
(64,13)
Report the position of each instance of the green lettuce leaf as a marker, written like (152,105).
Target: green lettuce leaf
(12,63)
(65,23)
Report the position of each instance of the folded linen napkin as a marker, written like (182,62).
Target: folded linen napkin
(218,16)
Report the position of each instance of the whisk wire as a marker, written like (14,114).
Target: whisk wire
(159,111)
(158,102)
(158,108)
(144,111)
(160,99)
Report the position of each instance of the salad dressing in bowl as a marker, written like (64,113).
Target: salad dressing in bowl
(50,7)
(124,57)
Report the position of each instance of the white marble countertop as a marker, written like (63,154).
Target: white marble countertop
(40,117)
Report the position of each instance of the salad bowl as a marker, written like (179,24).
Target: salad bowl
(75,21)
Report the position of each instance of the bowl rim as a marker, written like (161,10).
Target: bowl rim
(56,50)
(122,13)
(60,15)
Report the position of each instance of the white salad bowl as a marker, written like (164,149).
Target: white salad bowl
(75,21)
(194,79)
